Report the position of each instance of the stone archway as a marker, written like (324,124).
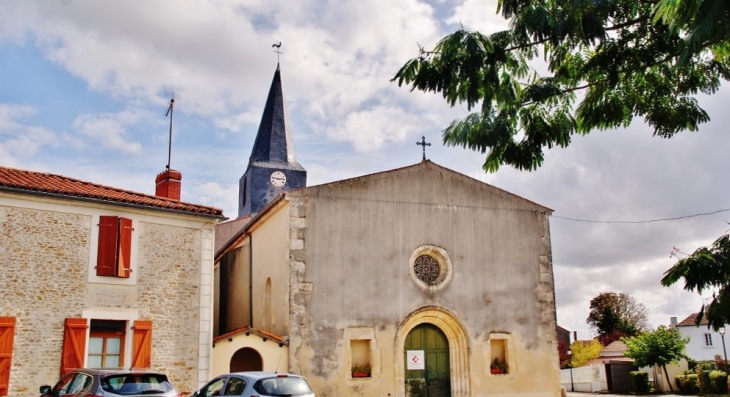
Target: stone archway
(246,359)
(458,347)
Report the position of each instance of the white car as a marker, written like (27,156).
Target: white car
(256,384)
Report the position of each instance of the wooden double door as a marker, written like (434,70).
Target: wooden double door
(427,342)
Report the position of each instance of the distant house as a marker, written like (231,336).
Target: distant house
(613,352)
(96,276)
(704,343)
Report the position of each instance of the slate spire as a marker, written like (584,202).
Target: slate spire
(272,167)
(274,143)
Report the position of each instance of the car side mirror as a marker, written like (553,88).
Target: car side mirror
(45,389)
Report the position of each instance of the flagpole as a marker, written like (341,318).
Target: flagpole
(169,145)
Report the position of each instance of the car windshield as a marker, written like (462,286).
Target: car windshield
(133,384)
(283,386)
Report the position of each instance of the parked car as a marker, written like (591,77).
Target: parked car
(256,384)
(108,382)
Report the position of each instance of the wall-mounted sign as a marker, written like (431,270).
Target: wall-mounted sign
(415,360)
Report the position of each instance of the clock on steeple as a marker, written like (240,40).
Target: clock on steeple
(272,167)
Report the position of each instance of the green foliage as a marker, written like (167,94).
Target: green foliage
(712,382)
(702,365)
(639,381)
(628,59)
(706,23)
(584,351)
(708,268)
(660,347)
(718,380)
(500,365)
(614,315)
(687,383)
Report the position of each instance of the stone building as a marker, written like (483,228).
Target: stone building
(95,276)
(409,282)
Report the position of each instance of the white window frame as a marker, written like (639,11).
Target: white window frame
(126,315)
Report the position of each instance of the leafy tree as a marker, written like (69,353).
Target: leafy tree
(660,347)
(615,315)
(563,355)
(609,62)
(584,351)
(706,23)
(708,268)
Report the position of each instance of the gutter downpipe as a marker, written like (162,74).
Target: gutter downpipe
(250,280)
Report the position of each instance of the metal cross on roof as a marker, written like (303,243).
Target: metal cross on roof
(424,144)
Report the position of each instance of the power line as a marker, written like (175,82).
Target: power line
(644,221)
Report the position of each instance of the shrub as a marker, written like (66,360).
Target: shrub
(718,379)
(703,381)
(687,383)
(639,381)
(703,365)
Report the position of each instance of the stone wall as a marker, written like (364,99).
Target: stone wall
(43,257)
(47,253)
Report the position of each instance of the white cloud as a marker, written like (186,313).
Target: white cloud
(347,117)
(370,129)
(109,130)
(479,15)
(18,137)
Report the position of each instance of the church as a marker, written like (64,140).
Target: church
(416,281)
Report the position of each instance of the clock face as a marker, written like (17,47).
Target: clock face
(278,179)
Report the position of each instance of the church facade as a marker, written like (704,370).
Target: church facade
(417,281)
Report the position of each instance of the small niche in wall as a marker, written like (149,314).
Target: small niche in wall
(360,358)
(498,356)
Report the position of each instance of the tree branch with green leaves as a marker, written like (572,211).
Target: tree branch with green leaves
(626,59)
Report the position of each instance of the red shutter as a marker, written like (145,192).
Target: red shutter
(106,259)
(7,331)
(142,344)
(74,344)
(125,247)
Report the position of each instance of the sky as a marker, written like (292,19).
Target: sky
(84,87)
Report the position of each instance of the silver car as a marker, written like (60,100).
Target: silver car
(109,382)
(261,384)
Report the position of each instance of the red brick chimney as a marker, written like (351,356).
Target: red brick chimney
(168,184)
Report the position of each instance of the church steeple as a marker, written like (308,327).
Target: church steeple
(273,141)
(272,167)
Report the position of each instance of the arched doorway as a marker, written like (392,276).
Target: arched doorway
(428,343)
(246,359)
(458,351)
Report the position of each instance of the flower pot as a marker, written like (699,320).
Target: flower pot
(496,371)
(360,375)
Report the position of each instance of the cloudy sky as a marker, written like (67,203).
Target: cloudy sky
(84,86)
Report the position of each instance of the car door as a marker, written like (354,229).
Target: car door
(235,386)
(71,384)
(214,387)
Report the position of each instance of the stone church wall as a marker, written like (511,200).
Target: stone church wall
(351,264)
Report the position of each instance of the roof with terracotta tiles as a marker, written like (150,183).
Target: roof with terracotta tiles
(690,321)
(32,182)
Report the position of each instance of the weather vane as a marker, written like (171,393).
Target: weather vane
(424,144)
(277,50)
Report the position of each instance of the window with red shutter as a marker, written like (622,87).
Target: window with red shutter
(7,332)
(115,247)
(142,344)
(125,248)
(74,344)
